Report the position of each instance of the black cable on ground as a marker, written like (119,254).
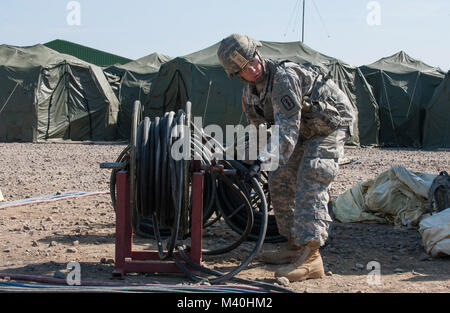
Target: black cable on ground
(209,271)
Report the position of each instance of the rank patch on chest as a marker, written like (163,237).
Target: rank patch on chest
(287,103)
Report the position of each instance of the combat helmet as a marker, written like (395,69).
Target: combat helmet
(235,52)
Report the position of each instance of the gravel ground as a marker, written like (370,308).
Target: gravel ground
(40,239)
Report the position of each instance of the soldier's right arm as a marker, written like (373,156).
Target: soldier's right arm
(249,110)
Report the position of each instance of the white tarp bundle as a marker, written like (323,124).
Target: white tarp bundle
(397,196)
(435,231)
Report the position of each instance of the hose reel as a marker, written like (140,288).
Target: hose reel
(161,190)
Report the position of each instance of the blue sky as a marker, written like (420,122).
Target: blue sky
(136,28)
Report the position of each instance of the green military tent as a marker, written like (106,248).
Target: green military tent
(351,80)
(131,82)
(436,128)
(402,86)
(48,95)
(198,77)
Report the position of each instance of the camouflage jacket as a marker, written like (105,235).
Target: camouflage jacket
(302,102)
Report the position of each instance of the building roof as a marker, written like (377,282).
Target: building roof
(91,55)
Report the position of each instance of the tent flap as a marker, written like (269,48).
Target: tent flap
(436,129)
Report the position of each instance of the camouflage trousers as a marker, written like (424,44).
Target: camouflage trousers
(299,189)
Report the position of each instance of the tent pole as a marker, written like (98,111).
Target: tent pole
(9,97)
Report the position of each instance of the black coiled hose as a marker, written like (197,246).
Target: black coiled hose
(231,207)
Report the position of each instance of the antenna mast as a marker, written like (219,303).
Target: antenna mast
(303,22)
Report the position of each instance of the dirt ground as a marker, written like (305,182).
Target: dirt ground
(41,239)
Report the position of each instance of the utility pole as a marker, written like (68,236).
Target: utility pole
(303,22)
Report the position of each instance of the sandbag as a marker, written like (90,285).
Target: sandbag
(435,231)
(397,196)
(349,207)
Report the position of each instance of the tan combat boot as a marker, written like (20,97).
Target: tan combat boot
(308,265)
(284,254)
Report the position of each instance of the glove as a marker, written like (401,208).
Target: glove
(253,171)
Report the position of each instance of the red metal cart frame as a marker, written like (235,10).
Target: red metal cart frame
(128,260)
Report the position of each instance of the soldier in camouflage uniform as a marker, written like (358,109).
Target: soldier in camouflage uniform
(315,119)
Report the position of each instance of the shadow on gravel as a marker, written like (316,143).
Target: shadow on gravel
(354,248)
(48,269)
(431,277)
(89,272)
(82,239)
